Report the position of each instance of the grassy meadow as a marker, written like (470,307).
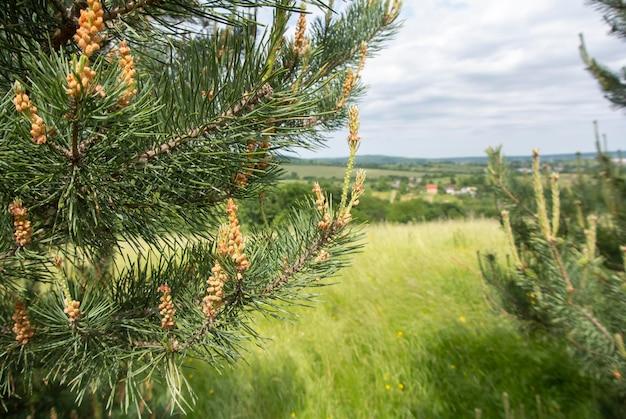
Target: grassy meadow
(337,172)
(407,332)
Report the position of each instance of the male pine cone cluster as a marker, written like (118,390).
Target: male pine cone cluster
(215,292)
(72,309)
(127,65)
(362,56)
(79,80)
(358,189)
(300,42)
(23,230)
(166,308)
(322,256)
(322,207)
(24,105)
(90,22)
(236,243)
(21,326)
(352,77)
(353,128)
(348,85)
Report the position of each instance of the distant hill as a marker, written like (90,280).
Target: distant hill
(387,161)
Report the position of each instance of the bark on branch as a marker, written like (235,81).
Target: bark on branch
(246,103)
(127,8)
(294,269)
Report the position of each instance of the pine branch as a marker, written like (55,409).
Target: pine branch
(598,325)
(62,151)
(87,143)
(245,104)
(293,269)
(74,140)
(128,7)
(569,286)
(99,322)
(583,317)
(611,84)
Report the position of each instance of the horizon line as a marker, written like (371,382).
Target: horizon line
(617,151)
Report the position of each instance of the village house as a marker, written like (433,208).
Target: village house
(432,189)
(468,190)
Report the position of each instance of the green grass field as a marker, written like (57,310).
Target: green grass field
(327,172)
(406,333)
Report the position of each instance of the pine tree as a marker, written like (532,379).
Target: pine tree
(129,132)
(612,84)
(561,275)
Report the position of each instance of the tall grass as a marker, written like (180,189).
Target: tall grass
(326,172)
(407,332)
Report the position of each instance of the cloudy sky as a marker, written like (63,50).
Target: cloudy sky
(465,74)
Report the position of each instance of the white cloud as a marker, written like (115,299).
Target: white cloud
(462,75)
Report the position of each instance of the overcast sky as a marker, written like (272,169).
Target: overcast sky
(465,74)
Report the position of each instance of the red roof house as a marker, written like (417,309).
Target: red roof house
(431,189)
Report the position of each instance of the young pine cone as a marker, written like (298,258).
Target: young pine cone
(80,79)
(72,309)
(23,230)
(24,105)
(90,22)
(166,308)
(127,77)
(215,292)
(236,243)
(322,207)
(21,326)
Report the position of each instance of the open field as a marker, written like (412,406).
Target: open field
(406,333)
(325,172)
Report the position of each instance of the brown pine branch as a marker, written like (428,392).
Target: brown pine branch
(72,117)
(127,8)
(59,149)
(246,103)
(288,273)
(85,144)
(569,286)
(293,269)
(74,153)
